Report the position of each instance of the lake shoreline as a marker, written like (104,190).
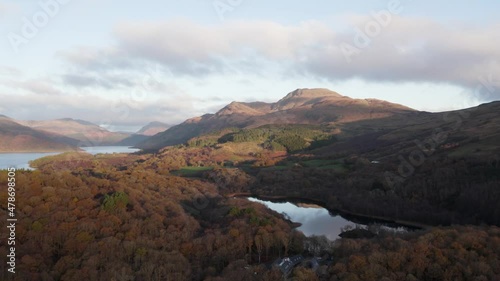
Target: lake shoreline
(41,151)
(341,212)
(22,160)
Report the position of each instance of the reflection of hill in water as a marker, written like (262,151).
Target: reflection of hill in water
(306,205)
(317,220)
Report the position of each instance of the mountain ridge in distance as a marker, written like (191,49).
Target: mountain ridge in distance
(87,133)
(144,133)
(152,128)
(15,137)
(302,106)
(80,121)
(64,134)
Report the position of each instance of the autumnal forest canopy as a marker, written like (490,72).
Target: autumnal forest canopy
(172,213)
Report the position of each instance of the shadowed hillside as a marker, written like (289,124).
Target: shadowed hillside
(414,166)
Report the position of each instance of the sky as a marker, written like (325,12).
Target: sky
(123,64)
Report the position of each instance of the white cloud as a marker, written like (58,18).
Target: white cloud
(417,50)
(102,80)
(408,49)
(190,48)
(6,8)
(37,86)
(9,71)
(124,111)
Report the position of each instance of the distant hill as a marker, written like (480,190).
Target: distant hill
(144,133)
(88,134)
(302,106)
(153,128)
(71,133)
(15,137)
(133,140)
(472,132)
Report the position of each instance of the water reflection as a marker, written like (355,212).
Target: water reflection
(315,220)
(109,149)
(20,160)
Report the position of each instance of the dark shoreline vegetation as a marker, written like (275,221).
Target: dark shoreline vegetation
(171,215)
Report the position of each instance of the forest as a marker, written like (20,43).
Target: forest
(102,221)
(443,192)
(291,138)
(173,215)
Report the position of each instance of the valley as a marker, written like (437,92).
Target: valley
(231,140)
(60,135)
(171,211)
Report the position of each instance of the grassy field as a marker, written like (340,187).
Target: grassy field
(325,164)
(336,165)
(191,171)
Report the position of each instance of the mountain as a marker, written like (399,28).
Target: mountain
(153,128)
(474,132)
(132,140)
(144,133)
(88,134)
(15,137)
(302,106)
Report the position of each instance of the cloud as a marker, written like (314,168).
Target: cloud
(407,49)
(114,98)
(6,8)
(97,59)
(415,50)
(105,81)
(36,86)
(10,71)
(186,47)
(97,109)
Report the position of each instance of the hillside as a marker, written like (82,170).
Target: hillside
(416,166)
(173,215)
(472,132)
(132,140)
(15,137)
(153,128)
(435,168)
(144,133)
(302,106)
(88,134)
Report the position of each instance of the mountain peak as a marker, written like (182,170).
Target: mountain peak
(239,108)
(153,128)
(302,106)
(302,97)
(81,122)
(312,93)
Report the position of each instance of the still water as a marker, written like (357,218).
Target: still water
(21,160)
(316,220)
(109,149)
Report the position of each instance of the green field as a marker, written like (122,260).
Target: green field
(336,165)
(191,171)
